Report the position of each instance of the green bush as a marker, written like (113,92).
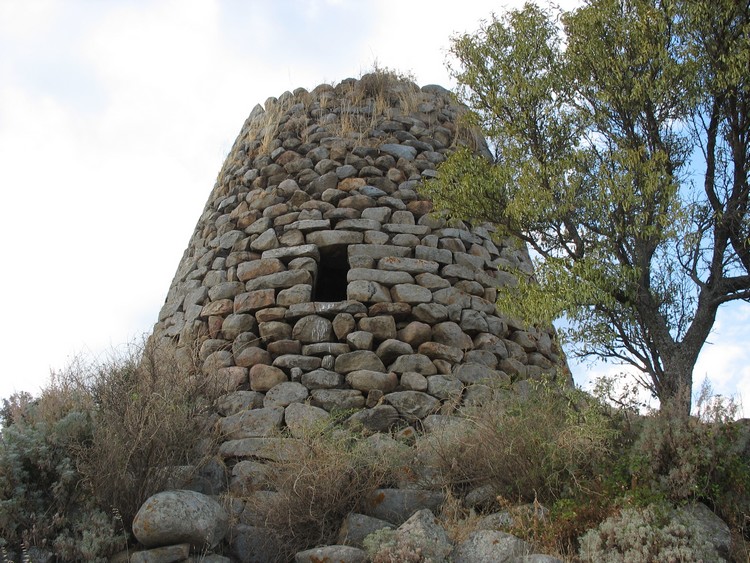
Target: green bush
(696,458)
(41,501)
(78,462)
(543,445)
(644,535)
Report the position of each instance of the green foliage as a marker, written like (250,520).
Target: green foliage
(696,459)
(77,463)
(42,503)
(549,444)
(642,535)
(599,126)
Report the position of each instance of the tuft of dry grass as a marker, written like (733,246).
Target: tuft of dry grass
(334,474)
(148,414)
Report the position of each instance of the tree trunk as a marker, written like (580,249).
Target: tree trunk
(675,387)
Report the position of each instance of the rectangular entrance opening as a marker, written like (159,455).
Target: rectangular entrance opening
(330,283)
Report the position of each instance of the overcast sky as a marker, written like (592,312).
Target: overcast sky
(115,118)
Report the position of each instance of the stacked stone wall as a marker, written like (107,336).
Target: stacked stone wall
(318,276)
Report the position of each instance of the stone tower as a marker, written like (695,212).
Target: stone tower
(317,274)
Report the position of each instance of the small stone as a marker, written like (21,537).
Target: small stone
(390,349)
(359,360)
(313,329)
(414,362)
(251,356)
(263,377)
(367,292)
(367,380)
(284,394)
(322,379)
(301,418)
(415,333)
(332,399)
(382,327)
(380,418)
(450,333)
(412,404)
(256,422)
(410,293)
(338,553)
(343,324)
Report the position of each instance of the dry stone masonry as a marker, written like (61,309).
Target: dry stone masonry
(318,276)
(319,282)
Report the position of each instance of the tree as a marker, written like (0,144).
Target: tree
(621,144)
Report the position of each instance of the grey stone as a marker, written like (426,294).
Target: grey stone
(256,422)
(390,349)
(368,292)
(280,280)
(337,553)
(445,387)
(414,362)
(450,333)
(399,151)
(412,404)
(332,399)
(322,379)
(378,252)
(313,329)
(430,313)
(269,448)
(249,356)
(263,377)
(356,527)
(325,349)
(367,380)
(410,265)
(360,340)
(412,381)
(382,327)
(284,394)
(380,418)
(296,294)
(290,253)
(290,361)
(254,544)
(301,418)
(423,529)
(324,239)
(397,505)
(166,554)
(700,517)
(437,351)
(175,517)
(490,546)
(410,293)
(237,401)
(385,278)
(265,241)
(359,360)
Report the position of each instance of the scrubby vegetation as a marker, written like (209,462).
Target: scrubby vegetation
(77,462)
(576,476)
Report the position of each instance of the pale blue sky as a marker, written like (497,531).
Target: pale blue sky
(115,117)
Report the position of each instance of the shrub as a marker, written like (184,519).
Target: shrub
(696,458)
(147,418)
(331,473)
(642,535)
(102,437)
(42,503)
(545,445)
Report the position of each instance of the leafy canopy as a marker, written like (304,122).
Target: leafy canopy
(620,138)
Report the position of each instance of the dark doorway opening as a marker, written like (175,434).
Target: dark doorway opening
(330,283)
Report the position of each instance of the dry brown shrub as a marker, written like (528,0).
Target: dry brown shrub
(544,445)
(334,474)
(147,420)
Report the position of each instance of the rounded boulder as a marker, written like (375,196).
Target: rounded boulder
(174,517)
